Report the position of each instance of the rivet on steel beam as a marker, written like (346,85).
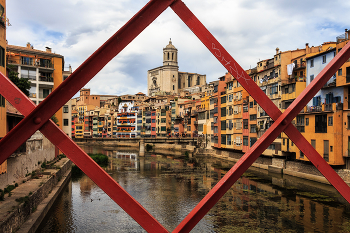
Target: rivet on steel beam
(37,120)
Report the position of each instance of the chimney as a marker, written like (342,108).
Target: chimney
(48,49)
(28,45)
(277,50)
(307,48)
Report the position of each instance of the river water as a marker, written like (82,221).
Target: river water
(170,188)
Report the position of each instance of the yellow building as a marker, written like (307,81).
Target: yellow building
(79,130)
(44,69)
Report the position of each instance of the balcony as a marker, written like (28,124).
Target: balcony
(330,84)
(45,79)
(314,109)
(300,66)
(293,79)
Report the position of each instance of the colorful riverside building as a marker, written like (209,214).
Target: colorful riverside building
(127,120)
(237,118)
(322,120)
(163,121)
(44,69)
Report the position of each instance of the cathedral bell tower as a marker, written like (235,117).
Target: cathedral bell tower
(170,55)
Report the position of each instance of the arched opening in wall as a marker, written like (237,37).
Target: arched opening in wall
(198,79)
(172,56)
(168,56)
(189,81)
(173,87)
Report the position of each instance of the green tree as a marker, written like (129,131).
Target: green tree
(22,83)
(54,119)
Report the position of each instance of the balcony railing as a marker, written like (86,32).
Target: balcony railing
(314,108)
(45,79)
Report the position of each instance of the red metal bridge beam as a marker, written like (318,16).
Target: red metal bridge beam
(23,104)
(81,76)
(39,116)
(280,122)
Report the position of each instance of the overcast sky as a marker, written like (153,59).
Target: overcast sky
(249,30)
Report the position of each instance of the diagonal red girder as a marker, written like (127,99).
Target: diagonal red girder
(23,104)
(40,115)
(81,76)
(282,121)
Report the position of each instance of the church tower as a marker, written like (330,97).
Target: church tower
(170,55)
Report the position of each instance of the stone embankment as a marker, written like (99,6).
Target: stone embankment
(273,165)
(298,169)
(26,206)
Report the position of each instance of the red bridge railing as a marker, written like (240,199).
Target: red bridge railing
(38,118)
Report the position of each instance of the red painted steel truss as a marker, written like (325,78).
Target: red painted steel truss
(38,118)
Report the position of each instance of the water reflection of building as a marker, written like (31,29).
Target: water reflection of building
(129,158)
(86,185)
(287,209)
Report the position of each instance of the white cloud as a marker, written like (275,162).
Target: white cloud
(249,30)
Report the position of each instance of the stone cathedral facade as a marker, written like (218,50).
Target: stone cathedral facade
(167,79)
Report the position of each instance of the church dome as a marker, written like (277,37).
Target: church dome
(170,45)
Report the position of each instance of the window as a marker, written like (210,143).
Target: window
(223,125)
(153,120)
(223,112)
(324,59)
(228,137)
(200,127)
(253,128)
(301,155)
(313,143)
(163,128)
(2,56)
(326,150)
(163,120)
(253,117)
(340,72)
(330,121)
(306,121)
(65,122)
(252,141)
(2,101)
(245,141)
(223,139)
(245,124)
(311,63)
(311,78)
(153,128)
(274,89)
(321,123)
(223,99)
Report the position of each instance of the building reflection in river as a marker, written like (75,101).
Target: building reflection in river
(170,188)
